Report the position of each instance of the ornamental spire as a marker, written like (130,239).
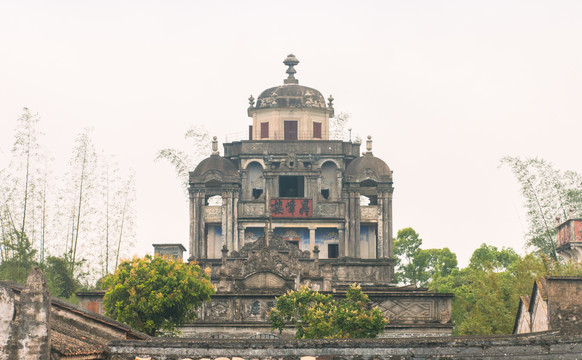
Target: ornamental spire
(369,145)
(215,146)
(291,61)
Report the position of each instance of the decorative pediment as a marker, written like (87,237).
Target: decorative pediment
(279,259)
(276,243)
(264,280)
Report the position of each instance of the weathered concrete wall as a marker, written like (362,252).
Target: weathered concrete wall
(565,304)
(8,330)
(547,346)
(34,318)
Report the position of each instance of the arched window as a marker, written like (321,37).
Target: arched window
(215,200)
(329,180)
(255,179)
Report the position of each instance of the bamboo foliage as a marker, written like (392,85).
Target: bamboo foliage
(84,215)
(548,194)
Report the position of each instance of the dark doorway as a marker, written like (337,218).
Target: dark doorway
(290,130)
(291,186)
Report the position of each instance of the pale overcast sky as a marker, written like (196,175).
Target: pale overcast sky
(446,88)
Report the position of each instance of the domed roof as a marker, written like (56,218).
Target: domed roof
(216,163)
(367,167)
(291,94)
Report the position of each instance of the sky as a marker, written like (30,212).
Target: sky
(445,88)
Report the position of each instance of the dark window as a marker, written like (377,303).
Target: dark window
(325,193)
(317,130)
(257,193)
(332,251)
(264,130)
(291,186)
(250,132)
(290,130)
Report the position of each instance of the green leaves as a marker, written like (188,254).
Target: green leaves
(548,193)
(320,316)
(418,266)
(155,294)
(487,291)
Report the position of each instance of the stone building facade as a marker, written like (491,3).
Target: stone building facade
(555,304)
(291,207)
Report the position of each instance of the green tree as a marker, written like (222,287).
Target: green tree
(60,281)
(154,294)
(487,291)
(418,266)
(17,266)
(318,316)
(548,193)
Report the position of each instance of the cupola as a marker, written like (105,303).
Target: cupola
(290,111)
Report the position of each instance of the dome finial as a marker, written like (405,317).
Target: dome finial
(291,61)
(215,146)
(369,145)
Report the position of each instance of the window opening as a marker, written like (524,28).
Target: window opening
(291,186)
(290,130)
(215,200)
(264,130)
(317,130)
(257,193)
(332,251)
(325,193)
(364,200)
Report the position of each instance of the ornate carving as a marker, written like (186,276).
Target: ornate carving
(264,280)
(408,309)
(213,213)
(254,209)
(369,213)
(219,310)
(291,161)
(265,266)
(328,209)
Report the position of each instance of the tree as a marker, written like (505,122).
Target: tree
(18,195)
(60,281)
(418,266)
(82,170)
(155,294)
(487,291)
(317,316)
(548,194)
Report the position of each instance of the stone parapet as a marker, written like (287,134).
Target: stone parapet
(543,346)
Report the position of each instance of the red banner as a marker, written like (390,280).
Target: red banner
(291,208)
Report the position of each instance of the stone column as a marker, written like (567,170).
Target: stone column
(200,243)
(380,227)
(223,221)
(236,239)
(34,318)
(342,242)
(388,226)
(241,236)
(311,239)
(354,216)
(193,213)
(247,190)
